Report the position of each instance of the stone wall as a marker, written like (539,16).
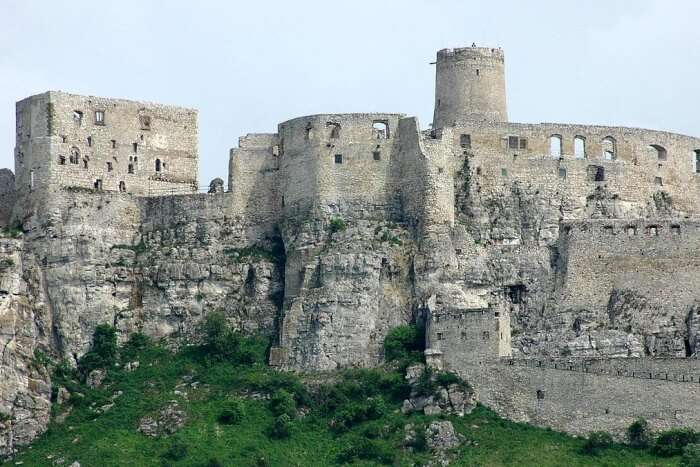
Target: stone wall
(7,197)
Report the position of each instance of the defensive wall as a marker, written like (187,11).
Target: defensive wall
(7,196)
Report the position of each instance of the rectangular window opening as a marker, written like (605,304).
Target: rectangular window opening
(338,158)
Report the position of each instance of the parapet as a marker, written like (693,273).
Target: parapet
(470,53)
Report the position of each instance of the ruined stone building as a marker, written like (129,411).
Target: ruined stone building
(554,266)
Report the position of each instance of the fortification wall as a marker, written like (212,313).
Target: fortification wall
(501,153)
(107,144)
(7,196)
(338,161)
(579,402)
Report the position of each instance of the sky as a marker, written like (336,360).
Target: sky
(246,66)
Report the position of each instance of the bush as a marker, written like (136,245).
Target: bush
(220,343)
(691,456)
(176,451)
(671,443)
(282,427)
(214,462)
(367,450)
(103,353)
(596,442)
(357,412)
(231,414)
(638,434)
(282,403)
(405,344)
(137,343)
(337,225)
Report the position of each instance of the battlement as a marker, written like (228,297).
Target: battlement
(471,53)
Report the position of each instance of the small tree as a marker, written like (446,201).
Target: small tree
(404,343)
(282,427)
(638,433)
(596,442)
(691,456)
(282,403)
(103,353)
(220,341)
(671,443)
(232,413)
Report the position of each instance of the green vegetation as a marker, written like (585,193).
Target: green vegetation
(241,412)
(638,434)
(12,231)
(6,263)
(138,248)
(405,344)
(672,442)
(337,224)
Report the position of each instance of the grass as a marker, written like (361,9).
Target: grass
(353,417)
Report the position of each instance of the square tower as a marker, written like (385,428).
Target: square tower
(66,141)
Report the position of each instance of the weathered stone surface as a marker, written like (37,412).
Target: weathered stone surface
(441,435)
(166,422)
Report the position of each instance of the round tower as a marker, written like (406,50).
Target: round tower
(470,84)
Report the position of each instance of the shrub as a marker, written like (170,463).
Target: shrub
(214,462)
(367,450)
(282,403)
(405,344)
(137,343)
(176,451)
(671,443)
(281,427)
(419,443)
(232,413)
(596,442)
(337,225)
(220,343)
(103,353)
(638,434)
(357,412)
(691,456)
(426,384)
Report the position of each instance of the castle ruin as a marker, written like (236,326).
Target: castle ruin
(554,266)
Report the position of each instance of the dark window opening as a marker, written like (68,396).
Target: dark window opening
(377,156)
(562,173)
(131,168)
(661,153)
(478,170)
(596,173)
(463,335)
(89,141)
(136,147)
(74,156)
(61,160)
(477,72)
(114,144)
(158,165)
(439,336)
(338,158)
(109,167)
(465,141)
(513,142)
(122,187)
(485,335)
(308,131)
(516,293)
(504,172)
(98,184)
(697,161)
(523,143)
(608,229)
(99,117)
(540,394)
(85,163)
(676,229)
(380,129)
(64,138)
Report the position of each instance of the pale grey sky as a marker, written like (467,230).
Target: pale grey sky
(249,65)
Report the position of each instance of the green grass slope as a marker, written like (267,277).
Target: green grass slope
(242,413)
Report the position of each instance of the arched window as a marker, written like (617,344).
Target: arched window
(61,160)
(609,148)
(580,147)
(555,146)
(661,153)
(335,130)
(74,155)
(122,187)
(131,168)
(380,128)
(158,165)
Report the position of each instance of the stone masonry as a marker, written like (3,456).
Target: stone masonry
(553,265)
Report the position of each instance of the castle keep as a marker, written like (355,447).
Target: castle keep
(555,266)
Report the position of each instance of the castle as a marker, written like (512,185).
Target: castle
(553,265)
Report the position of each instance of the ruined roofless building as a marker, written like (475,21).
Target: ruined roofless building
(554,266)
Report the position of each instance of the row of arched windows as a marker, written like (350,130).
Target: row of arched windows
(74,158)
(608,146)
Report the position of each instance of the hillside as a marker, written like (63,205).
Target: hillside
(218,404)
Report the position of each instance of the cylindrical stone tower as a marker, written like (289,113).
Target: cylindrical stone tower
(470,84)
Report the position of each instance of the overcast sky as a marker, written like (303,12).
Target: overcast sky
(250,65)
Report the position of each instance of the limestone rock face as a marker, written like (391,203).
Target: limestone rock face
(166,422)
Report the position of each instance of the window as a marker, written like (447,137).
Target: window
(380,129)
(31,179)
(122,187)
(523,143)
(676,229)
(98,184)
(653,230)
(596,173)
(377,156)
(308,131)
(485,335)
(145,122)
(580,147)
(465,141)
(512,142)
(555,146)
(661,153)
(89,141)
(335,130)
(338,158)
(109,167)
(697,161)
(504,172)
(540,394)
(61,160)
(99,117)
(439,336)
(74,155)
(658,181)
(64,138)
(158,165)
(463,335)
(562,173)
(85,163)
(131,168)
(609,148)
(77,117)
(114,144)
(631,230)
(136,147)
